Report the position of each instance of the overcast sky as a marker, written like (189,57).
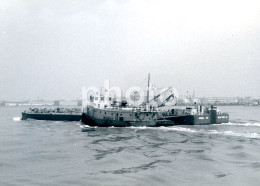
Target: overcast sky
(51,48)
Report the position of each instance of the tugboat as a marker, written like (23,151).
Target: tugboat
(121,116)
(102,112)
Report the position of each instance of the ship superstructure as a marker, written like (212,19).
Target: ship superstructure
(103,111)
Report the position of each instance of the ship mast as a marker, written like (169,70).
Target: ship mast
(147,101)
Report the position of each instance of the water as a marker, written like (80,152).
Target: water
(58,153)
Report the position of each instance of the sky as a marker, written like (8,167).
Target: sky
(51,49)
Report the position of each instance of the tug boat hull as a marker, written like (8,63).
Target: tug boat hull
(92,121)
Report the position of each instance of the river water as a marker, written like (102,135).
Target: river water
(57,153)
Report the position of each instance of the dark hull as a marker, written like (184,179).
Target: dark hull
(199,119)
(166,121)
(53,117)
(91,121)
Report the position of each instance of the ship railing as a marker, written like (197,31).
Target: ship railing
(133,109)
(51,110)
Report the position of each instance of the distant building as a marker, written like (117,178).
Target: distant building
(226,100)
(188,101)
(218,101)
(56,103)
(26,103)
(68,103)
(80,103)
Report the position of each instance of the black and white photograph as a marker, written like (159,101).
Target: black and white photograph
(129,92)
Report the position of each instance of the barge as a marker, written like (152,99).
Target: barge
(58,114)
(196,116)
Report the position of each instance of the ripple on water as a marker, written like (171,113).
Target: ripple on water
(183,141)
(113,139)
(239,155)
(175,151)
(136,169)
(194,151)
(255,165)
(103,153)
(237,147)
(221,175)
